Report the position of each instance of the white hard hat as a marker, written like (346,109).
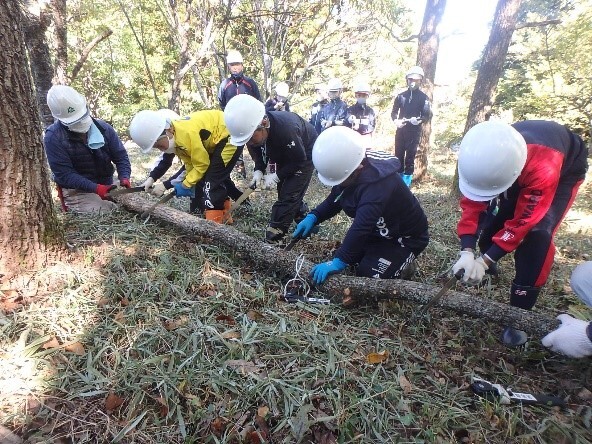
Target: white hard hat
(234,57)
(415,73)
(66,104)
(334,84)
(282,89)
(337,152)
(362,87)
(146,127)
(169,114)
(242,115)
(491,157)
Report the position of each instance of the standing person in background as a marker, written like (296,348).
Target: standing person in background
(83,153)
(237,83)
(279,102)
(360,117)
(283,142)
(333,113)
(518,182)
(201,141)
(410,109)
(315,111)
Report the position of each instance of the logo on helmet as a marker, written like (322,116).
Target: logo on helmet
(71,110)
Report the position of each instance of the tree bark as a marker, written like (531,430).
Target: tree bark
(36,24)
(339,287)
(492,62)
(29,223)
(427,58)
(60,17)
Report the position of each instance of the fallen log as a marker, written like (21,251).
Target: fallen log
(338,287)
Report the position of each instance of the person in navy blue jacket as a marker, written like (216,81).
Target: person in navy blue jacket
(83,153)
(389,228)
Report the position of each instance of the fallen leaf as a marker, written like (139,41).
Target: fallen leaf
(75,347)
(254,315)
(231,334)
(585,394)
(119,316)
(263,411)
(243,367)
(112,402)
(124,302)
(257,437)
(162,405)
(405,384)
(377,358)
(52,343)
(219,426)
(103,302)
(226,318)
(171,324)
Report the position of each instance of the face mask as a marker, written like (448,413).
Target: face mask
(171,148)
(333,95)
(361,100)
(82,126)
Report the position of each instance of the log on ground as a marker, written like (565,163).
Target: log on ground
(266,257)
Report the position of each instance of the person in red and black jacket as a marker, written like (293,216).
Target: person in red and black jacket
(518,182)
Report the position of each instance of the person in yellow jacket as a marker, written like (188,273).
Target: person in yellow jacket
(202,142)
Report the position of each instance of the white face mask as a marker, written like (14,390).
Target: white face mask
(361,100)
(171,148)
(82,126)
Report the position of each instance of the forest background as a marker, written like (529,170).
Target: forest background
(140,332)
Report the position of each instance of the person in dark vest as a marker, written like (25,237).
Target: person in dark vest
(360,117)
(410,109)
(315,110)
(235,84)
(279,102)
(333,113)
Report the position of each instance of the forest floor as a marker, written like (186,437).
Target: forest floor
(148,335)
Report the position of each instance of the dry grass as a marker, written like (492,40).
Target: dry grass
(150,336)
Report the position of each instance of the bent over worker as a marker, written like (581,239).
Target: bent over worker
(280,144)
(518,182)
(201,141)
(389,228)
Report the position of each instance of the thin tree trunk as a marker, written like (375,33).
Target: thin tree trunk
(492,62)
(86,52)
(36,23)
(427,58)
(339,287)
(59,13)
(29,223)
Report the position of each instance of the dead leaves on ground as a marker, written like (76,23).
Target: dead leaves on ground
(73,347)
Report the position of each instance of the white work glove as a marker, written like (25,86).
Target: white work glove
(479,269)
(158,189)
(148,184)
(465,262)
(339,122)
(569,338)
(279,106)
(270,180)
(351,119)
(399,123)
(327,124)
(257,176)
(414,121)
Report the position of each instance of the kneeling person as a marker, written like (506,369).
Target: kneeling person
(389,228)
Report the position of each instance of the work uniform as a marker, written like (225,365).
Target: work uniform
(315,114)
(272,102)
(389,228)
(77,168)
(524,219)
(409,103)
(334,112)
(202,144)
(362,119)
(234,85)
(288,149)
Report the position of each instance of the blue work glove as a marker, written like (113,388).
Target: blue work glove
(183,191)
(320,272)
(304,228)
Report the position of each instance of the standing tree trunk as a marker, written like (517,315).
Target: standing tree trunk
(29,223)
(492,63)
(491,68)
(60,17)
(427,58)
(36,23)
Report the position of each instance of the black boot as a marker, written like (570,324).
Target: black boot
(525,297)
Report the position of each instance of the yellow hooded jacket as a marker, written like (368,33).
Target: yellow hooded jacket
(196,138)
